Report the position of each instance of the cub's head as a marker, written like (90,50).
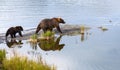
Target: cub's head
(19,28)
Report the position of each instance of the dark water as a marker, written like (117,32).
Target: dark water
(98,50)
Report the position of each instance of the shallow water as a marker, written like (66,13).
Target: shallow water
(97,50)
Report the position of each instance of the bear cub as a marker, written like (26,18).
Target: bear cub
(13,30)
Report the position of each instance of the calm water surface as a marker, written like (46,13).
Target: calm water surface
(29,13)
(97,50)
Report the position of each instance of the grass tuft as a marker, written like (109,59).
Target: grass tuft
(22,63)
(48,34)
(33,38)
(2,55)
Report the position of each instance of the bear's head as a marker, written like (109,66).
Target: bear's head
(60,20)
(19,28)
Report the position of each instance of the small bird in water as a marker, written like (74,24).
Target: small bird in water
(103,28)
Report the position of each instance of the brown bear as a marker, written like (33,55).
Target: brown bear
(13,30)
(49,24)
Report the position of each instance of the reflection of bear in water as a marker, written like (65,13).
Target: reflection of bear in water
(13,30)
(13,42)
(49,24)
(51,44)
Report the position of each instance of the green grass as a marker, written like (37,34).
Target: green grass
(48,34)
(22,63)
(34,36)
(2,55)
(18,63)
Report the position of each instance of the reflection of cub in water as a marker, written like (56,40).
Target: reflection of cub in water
(51,44)
(13,42)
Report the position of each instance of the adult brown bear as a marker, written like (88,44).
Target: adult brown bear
(49,24)
(13,30)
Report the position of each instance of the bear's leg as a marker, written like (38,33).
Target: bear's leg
(51,29)
(38,29)
(14,35)
(58,28)
(44,30)
(6,35)
(11,35)
(20,33)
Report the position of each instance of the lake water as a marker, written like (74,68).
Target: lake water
(29,13)
(97,51)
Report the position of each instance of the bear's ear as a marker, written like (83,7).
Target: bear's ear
(59,19)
